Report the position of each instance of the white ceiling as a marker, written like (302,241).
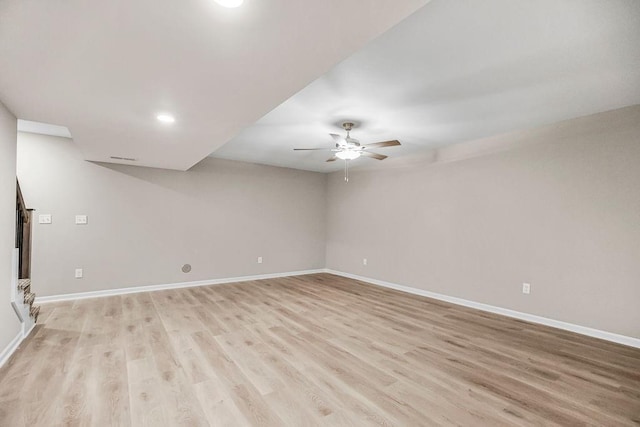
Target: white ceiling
(104,69)
(456,71)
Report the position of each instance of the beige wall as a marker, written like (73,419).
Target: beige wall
(144,223)
(557,207)
(561,211)
(9,324)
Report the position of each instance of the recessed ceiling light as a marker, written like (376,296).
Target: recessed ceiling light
(229,3)
(165,118)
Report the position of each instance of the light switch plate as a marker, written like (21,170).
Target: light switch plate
(44,219)
(81,219)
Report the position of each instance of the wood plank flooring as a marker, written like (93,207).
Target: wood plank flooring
(308,351)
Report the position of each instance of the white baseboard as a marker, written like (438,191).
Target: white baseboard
(596,333)
(27,328)
(151,288)
(15,343)
(11,347)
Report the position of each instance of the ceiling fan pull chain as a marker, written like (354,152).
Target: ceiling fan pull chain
(346,170)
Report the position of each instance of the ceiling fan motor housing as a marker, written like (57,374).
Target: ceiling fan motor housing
(352,141)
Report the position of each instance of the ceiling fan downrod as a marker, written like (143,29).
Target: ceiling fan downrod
(348,126)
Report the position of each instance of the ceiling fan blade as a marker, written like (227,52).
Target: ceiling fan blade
(340,140)
(312,149)
(383,144)
(332,159)
(373,155)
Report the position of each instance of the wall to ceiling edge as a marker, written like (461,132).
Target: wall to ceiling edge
(559,209)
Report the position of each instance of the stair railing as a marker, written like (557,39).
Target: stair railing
(24,219)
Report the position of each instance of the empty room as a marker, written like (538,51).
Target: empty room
(320,213)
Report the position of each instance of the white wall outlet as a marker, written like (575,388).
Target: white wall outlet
(44,219)
(364,261)
(81,219)
(259,260)
(78,273)
(526,288)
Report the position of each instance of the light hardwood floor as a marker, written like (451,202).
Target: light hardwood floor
(305,351)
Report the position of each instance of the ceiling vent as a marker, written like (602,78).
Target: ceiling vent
(129,159)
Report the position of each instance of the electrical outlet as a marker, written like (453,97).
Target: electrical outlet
(44,219)
(81,219)
(259,260)
(526,288)
(78,273)
(364,261)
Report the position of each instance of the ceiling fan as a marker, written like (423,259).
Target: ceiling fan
(348,148)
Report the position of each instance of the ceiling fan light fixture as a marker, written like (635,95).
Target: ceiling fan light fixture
(348,154)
